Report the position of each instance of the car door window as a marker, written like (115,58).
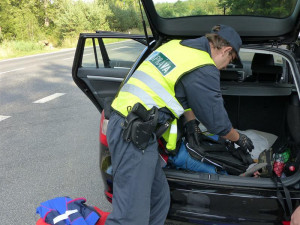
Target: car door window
(110,53)
(102,61)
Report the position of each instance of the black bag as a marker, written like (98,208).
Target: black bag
(223,155)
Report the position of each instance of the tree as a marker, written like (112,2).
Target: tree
(5,19)
(22,20)
(272,8)
(98,16)
(124,16)
(188,8)
(60,19)
(69,19)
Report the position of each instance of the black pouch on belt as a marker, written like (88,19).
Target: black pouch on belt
(142,133)
(140,125)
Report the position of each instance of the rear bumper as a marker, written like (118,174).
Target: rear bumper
(175,222)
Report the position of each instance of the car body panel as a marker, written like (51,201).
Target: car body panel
(204,202)
(197,198)
(198,202)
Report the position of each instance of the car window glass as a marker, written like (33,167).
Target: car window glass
(111,53)
(266,8)
(247,58)
(278,60)
(262,63)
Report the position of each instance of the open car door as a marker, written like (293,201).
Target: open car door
(102,61)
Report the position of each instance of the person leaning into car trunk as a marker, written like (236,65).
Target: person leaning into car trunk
(179,78)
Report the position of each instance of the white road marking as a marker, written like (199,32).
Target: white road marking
(120,48)
(49,98)
(73,56)
(3,117)
(11,70)
(67,58)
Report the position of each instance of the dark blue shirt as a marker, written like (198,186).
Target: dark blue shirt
(200,90)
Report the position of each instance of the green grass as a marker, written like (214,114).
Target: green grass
(112,40)
(13,49)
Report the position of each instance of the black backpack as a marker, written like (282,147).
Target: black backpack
(222,154)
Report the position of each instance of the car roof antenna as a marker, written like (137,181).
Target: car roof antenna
(144,24)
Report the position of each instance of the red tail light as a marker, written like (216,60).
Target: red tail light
(103,128)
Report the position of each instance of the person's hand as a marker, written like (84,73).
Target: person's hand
(256,174)
(192,133)
(245,143)
(295,219)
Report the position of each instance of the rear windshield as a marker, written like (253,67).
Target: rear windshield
(265,8)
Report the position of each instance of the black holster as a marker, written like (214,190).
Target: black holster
(140,125)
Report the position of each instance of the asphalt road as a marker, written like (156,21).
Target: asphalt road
(48,147)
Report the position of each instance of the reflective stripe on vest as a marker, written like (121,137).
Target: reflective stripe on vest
(153,83)
(170,136)
(157,90)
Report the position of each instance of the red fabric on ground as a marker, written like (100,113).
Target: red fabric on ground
(41,222)
(103,215)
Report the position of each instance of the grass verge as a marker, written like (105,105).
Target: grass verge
(13,49)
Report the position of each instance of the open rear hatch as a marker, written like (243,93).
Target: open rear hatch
(256,22)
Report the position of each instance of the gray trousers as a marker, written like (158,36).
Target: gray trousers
(141,194)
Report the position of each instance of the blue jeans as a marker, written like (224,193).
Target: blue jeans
(183,160)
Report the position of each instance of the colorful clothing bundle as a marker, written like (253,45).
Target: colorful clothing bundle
(67,211)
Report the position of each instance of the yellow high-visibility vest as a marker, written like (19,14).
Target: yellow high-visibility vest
(153,83)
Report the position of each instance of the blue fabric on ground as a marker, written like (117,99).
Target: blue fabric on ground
(65,211)
(183,160)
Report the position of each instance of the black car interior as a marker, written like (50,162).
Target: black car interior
(274,105)
(264,109)
(264,69)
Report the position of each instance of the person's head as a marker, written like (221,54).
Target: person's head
(225,45)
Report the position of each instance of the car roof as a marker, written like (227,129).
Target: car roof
(256,28)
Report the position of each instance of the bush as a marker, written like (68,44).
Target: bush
(119,20)
(1,38)
(26,46)
(10,49)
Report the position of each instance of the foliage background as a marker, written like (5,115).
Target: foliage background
(38,19)
(37,25)
(30,26)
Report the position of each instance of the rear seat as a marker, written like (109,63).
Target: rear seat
(263,69)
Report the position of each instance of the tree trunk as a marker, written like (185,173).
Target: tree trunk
(46,13)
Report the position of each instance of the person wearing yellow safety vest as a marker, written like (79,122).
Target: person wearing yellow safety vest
(181,77)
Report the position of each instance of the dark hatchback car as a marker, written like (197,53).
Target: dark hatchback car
(261,94)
